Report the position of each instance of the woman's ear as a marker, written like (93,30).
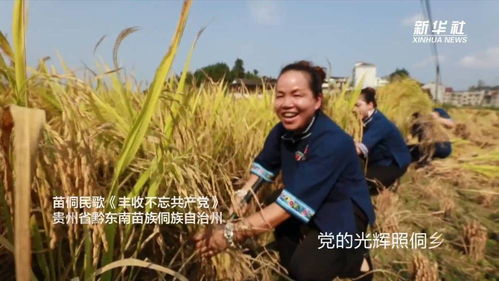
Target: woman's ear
(370,105)
(319,102)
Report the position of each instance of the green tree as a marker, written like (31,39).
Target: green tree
(214,72)
(238,69)
(399,74)
(480,85)
(251,75)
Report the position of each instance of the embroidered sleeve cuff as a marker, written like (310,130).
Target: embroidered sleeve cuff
(364,149)
(295,206)
(260,171)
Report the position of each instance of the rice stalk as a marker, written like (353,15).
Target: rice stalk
(19,34)
(139,263)
(38,249)
(490,171)
(141,124)
(7,188)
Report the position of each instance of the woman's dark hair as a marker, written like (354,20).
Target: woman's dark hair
(316,74)
(369,95)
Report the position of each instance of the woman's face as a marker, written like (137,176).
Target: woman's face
(295,104)
(362,107)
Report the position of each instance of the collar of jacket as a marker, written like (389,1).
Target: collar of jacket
(295,137)
(370,118)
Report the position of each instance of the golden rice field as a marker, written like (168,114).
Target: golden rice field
(63,135)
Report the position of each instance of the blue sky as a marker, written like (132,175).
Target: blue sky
(266,35)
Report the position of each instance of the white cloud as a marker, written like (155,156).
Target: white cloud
(429,61)
(486,59)
(265,12)
(411,20)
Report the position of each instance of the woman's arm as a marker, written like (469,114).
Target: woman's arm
(211,243)
(371,137)
(446,122)
(265,220)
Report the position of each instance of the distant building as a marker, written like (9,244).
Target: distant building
(336,82)
(467,98)
(366,73)
(244,85)
(380,81)
(437,92)
(447,95)
(491,98)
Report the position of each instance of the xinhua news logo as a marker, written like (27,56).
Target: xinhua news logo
(440,31)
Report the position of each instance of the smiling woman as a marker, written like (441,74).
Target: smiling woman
(298,97)
(325,190)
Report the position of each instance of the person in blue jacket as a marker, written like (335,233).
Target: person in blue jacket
(431,146)
(325,192)
(382,146)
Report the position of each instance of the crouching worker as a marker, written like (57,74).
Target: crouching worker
(324,188)
(382,146)
(433,142)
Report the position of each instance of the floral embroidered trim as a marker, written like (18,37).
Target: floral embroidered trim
(260,171)
(295,206)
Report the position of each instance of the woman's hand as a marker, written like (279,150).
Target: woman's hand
(358,148)
(435,115)
(238,206)
(210,242)
(447,123)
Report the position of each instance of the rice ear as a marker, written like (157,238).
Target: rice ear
(98,43)
(123,34)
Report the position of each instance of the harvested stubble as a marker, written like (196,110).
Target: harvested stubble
(424,269)
(475,239)
(387,211)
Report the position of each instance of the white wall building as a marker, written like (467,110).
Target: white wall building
(336,82)
(437,92)
(470,98)
(381,81)
(447,97)
(491,98)
(366,73)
